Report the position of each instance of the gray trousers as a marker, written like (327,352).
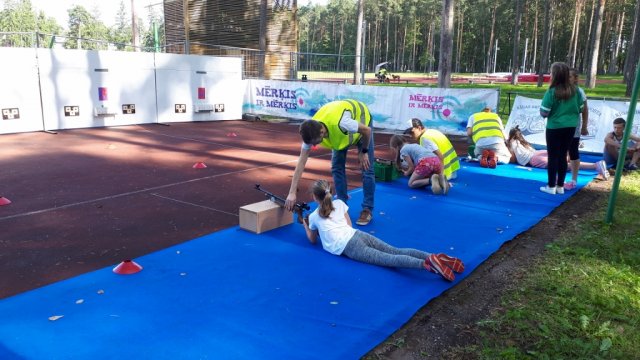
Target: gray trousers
(367,248)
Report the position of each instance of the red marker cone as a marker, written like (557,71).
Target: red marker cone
(199,165)
(4,201)
(127,267)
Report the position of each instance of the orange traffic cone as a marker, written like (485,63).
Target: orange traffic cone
(199,165)
(127,267)
(4,201)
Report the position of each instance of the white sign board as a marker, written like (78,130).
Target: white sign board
(446,110)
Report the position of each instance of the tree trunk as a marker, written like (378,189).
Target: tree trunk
(386,52)
(605,38)
(446,44)
(343,20)
(413,51)
(459,37)
(544,61)
(356,71)
(633,53)
(574,45)
(491,35)
(404,46)
(516,41)
(535,39)
(592,68)
(587,50)
(615,46)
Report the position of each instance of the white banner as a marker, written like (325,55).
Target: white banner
(526,114)
(446,110)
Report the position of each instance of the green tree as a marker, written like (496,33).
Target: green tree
(121,32)
(18,16)
(84,30)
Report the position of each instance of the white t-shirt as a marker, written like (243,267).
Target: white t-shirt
(346,124)
(334,231)
(523,153)
(486,141)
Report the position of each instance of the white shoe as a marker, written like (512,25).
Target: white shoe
(548,190)
(601,167)
(559,190)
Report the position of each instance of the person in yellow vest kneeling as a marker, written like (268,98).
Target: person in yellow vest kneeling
(421,135)
(487,132)
(337,126)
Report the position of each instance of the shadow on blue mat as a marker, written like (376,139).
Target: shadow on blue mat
(236,295)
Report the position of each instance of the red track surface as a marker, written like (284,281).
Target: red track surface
(89,198)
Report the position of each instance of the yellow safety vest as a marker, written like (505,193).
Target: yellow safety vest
(330,115)
(449,155)
(486,124)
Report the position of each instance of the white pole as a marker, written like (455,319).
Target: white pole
(524,57)
(495,57)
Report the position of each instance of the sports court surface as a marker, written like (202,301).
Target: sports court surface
(84,200)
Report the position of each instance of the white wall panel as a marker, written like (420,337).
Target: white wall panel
(20,109)
(72,79)
(182,80)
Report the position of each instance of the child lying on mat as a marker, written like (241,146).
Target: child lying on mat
(424,163)
(526,155)
(331,222)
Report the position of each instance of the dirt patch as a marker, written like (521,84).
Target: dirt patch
(449,320)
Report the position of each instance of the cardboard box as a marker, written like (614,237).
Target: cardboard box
(264,216)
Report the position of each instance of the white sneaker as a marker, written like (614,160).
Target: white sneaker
(548,190)
(601,167)
(559,190)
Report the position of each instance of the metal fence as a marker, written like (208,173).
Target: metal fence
(257,64)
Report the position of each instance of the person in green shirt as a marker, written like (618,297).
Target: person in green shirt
(561,105)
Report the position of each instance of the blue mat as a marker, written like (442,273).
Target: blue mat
(237,295)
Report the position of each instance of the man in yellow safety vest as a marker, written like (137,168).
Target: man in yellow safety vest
(487,132)
(337,126)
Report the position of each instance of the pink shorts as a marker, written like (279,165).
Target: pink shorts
(429,166)
(540,159)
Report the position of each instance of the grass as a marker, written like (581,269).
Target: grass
(582,298)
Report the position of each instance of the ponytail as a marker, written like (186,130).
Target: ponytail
(321,189)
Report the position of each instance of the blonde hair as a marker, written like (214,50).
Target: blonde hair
(321,189)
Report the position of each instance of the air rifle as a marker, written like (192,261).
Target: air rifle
(298,208)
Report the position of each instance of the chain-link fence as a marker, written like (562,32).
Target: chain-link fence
(256,64)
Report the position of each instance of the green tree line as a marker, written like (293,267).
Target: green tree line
(407,33)
(19,23)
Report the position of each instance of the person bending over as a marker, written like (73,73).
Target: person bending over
(339,125)
(422,163)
